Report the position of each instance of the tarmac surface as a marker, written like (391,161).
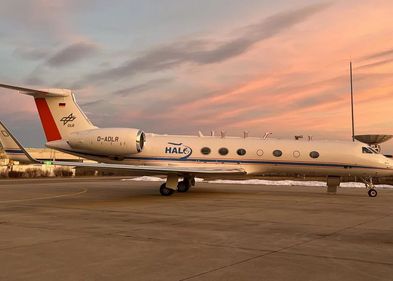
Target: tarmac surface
(108,229)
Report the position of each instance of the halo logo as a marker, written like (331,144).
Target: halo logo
(178,149)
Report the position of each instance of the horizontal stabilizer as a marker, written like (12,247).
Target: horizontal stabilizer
(39,93)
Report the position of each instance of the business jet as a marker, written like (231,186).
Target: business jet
(182,158)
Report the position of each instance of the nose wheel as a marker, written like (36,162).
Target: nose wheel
(372,192)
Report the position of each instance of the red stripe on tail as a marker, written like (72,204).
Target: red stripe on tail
(51,131)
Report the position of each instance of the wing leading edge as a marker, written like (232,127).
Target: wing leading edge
(163,170)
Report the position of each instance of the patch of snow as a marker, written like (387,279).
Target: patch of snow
(271,182)
(144,178)
(147,178)
(265,182)
(296,183)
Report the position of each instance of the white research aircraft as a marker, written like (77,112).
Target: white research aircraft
(67,129)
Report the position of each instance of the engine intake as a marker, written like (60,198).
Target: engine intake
(140,140)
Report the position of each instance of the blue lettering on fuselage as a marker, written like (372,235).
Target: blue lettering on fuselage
(178,149)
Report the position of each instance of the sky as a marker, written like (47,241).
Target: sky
(179,66)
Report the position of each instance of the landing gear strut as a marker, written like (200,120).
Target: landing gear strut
(332,184)
(170,186)
(370,186)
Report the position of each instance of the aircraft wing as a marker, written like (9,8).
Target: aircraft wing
(156,170)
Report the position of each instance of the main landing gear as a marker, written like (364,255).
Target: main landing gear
(172,184)
(372,192)
(183,186)
(165,191)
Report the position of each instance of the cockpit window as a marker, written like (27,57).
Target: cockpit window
(367,150)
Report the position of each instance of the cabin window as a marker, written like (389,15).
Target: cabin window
(296,154)
(314,154)
(259,152)
(367,150)
(241,151)
(205,151)
(223,151)
(277,153)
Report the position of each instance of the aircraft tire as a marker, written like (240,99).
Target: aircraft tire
(183,186)
(165,191)
(372,192)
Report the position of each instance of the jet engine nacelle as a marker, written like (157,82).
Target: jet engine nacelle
(110,142)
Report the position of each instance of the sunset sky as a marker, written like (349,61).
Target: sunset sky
(179,66)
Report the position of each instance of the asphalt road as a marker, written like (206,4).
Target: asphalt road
(108,229)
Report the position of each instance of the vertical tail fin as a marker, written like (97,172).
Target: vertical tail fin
(59,113)
(61,116)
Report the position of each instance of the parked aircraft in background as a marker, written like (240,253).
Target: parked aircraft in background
(182,158)
(12,149)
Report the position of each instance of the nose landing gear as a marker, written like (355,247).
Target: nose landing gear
(372,192)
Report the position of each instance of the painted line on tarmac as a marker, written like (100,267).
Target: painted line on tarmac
(46,197)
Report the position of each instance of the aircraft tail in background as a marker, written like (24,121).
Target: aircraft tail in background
(12,148)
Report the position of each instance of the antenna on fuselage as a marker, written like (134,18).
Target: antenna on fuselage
(352,112)
(267,134)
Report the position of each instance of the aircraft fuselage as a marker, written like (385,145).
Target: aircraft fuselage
(256,156)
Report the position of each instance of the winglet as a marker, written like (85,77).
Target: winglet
(13,149)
